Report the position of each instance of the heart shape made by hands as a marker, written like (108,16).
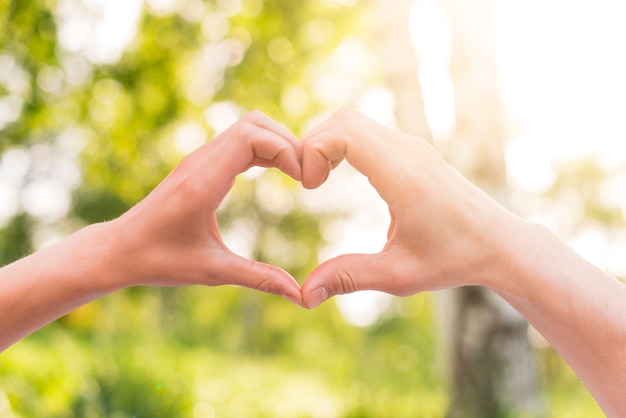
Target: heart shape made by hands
(265,217)
(424,196)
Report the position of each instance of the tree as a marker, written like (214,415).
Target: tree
(399,65)
(491,359)
(492,362)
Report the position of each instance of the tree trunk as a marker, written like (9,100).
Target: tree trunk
(488,349)
(399,65)
(492,367)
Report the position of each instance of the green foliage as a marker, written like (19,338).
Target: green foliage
(583,180)
(15,241)
(28,35)
(250,355)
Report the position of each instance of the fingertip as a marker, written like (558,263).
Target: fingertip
(316,297)
(277,152)
(293,165)
(321,153)
(315,168)
(261,276)
(288,286)
(344,274)
(318,287)
(293,170)
(312,178)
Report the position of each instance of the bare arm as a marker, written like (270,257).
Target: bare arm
(171,238)
(446,233)
(573,304)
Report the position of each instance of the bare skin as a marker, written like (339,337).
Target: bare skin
(171,238)
(446,233)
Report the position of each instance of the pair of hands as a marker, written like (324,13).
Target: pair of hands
(172,238)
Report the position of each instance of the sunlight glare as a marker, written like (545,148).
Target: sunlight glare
(341,78)
(240,237)
(9,202)
(364,308)
(221,115)
(98,29)
(431,35)
(46,198)
(523,151)
(188,137)
(14,166)
(378,103)
(162,7)
(561,67)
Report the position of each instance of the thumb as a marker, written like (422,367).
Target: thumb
(260,276)
(344,274)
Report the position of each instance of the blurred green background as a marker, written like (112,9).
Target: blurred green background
(99,100)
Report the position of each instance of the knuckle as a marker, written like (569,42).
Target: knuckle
(245,131)
(265,282)
(265,285)
(350,120)
(254,117)
(317,148)
(346,282)
(246,126)
(345,114)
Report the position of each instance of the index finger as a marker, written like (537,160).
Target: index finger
(252,141)
(261,141)
(385,157)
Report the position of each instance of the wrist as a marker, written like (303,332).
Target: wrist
(526,261)
(508,245)
(486,240)
(98,258)
(56,280)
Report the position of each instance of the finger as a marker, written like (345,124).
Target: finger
(385,157)
(244,145)
(319,171)
(328,123)
(263,121)
(271,144)
(334,164)
(321,153)
(252,274)
(270,151)
(331,140)
(344,274)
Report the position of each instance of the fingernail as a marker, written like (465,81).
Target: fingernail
(318,296)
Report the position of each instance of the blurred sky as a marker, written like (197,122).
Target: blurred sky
(561,67)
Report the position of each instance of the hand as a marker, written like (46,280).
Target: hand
(171,238)
(438,237)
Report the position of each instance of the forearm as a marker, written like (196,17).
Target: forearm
(46,285)
(578,308)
